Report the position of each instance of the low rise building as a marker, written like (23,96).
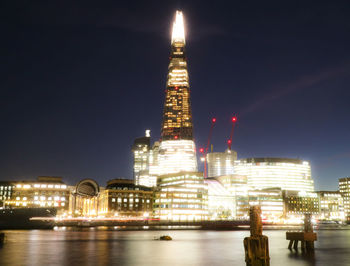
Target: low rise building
(296,204)
(344,189)
(181,196)
(122,198)
(221,203)
(331,206)
(46,191)
(271,202)
(6,188)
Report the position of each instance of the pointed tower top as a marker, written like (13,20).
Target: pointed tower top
(178,34)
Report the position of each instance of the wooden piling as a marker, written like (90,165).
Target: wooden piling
(257,245)
(307,237)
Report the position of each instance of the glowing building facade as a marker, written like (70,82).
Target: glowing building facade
(141,149)
(181,197)
(122,198)
(344,189)
(46,191)
(331,205)
(288,174)
(177,151)
(221,163)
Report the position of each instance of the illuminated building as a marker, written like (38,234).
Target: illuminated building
(46,191)
(288,174)
(181,197)
(123,198)
(271,202)
(331,205)
(296,203)
(141,150)
(221,163)
(6,189)
(177,151)
(344,189)
(85,198)
(238,188)
(221,203)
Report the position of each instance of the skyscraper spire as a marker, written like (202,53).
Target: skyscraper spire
(178,34)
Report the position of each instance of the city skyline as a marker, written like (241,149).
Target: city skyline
(74,133)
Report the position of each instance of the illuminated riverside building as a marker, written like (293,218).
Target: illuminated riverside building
(46,191)
(296,203)
(344,189)
(122,198)
(221,203)
(271,202)
(221,163)
(6,189)
(141,149)
(85,197)
(177,151)
(331,205)
(288,174)
(181,197)
(238,188)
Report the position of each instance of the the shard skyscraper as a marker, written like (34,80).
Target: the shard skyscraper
(177,152)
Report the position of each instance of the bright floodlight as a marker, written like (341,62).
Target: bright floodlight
(178,34)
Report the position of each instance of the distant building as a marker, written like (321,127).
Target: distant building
(296,203)
(84,200)
(238,188)
(271,202)
(344,189)
(122,198)
(288,174)
(46,191)
(6,188)
(181,197)
(221,203)
(331,205)
(221,163)
(140,149)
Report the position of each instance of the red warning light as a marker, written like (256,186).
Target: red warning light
(176,88)
(176,137)
(201,150)
(229,141)
(234,119)
(213,120)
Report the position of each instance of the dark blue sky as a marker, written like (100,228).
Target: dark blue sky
(80,82)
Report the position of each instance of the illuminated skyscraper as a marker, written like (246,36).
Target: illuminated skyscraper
(177,150)
(221,163)
(141,149)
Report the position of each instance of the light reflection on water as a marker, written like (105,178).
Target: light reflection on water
(192,247)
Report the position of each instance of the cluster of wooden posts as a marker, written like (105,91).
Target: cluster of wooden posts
(256,246)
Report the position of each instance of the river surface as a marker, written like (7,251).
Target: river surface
(188,247)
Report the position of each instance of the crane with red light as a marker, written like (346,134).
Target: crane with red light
(229,141)
(205,151)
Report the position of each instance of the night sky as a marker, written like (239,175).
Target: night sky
(79,82)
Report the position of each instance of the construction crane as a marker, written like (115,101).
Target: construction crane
(205,151)
(229,141)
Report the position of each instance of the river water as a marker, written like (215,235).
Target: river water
(188,247)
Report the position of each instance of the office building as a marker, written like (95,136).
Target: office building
(221,163)
(331,206)
(297,203)
(288,174)
(122,198)
(141,149)
(181,197)
(46,191)
(344,189)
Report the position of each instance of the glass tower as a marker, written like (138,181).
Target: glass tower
(177,117)
(177,150)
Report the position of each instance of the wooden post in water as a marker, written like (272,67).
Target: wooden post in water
(256,246)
